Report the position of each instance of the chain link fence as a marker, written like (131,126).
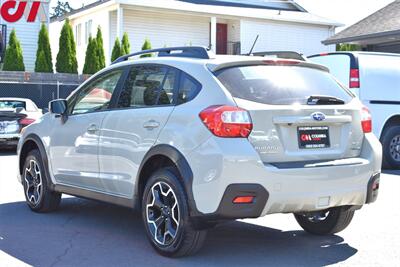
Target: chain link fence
(41,94)
(41,88)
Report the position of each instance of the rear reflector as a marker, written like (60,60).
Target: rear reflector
(366,120)
(354,78)
(243,200)
(227,121)
(26,121)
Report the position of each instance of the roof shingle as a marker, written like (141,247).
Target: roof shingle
(384,21)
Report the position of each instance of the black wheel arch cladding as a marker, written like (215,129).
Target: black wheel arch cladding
(183,167)
(38,145)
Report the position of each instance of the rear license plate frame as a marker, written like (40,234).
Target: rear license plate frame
(313,137)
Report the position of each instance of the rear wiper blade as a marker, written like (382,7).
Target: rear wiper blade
(324,100)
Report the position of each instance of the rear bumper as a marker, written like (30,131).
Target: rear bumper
(220,163)
(227,209)
(9,139)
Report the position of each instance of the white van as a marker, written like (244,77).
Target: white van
(375,78)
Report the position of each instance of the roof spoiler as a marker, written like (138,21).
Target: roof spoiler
(267,62)
(281,54)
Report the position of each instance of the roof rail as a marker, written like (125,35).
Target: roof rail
(199,52)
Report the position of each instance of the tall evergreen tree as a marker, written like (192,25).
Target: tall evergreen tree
(91,60)
(125,45)
(43,55)
(100,49)
(14,60)
(116,52)
(146,46)
(41,62)
(66,57)
(348,47)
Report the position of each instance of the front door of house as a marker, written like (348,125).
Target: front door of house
(222,38)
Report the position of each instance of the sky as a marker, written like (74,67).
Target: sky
(346,12)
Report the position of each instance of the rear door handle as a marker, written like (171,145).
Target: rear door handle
(152,124)
(92,128)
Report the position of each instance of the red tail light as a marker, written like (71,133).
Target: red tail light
(366,120)
(227,121)
(26,122)
(243,200)
(354,78)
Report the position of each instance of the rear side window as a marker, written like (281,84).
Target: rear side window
(188,89)
(280,85)
(148,86)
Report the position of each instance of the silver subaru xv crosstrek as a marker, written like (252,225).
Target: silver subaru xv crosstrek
(192,139)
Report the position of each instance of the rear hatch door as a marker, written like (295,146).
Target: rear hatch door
(298,113)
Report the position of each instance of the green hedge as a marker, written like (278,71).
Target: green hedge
(14,60)
(43,55)
(66,57)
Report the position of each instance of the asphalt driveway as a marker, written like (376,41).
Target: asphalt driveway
(89,233)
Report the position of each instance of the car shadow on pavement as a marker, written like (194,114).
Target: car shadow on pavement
(88,233)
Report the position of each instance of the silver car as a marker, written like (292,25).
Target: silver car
(15,114)
(192,139)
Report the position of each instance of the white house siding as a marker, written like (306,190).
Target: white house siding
(99,18)
(54,34)
(164,29)
(28,32)
(113,32)
(175,28)
(303,38)
(233,30)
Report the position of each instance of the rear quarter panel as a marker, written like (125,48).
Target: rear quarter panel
(184,129)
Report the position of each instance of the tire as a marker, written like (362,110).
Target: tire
(183,239)
(332,221)
(391,147)
(38,195)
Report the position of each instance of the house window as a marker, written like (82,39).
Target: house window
(88,30)
(78,34)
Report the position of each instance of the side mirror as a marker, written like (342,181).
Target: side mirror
(58,107)
(45,110)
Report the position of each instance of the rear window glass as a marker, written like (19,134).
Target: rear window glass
(281,85)
(12,104)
